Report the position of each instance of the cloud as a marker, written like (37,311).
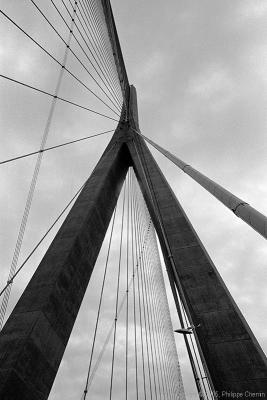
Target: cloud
(200,73)
(214,87)
(252,9)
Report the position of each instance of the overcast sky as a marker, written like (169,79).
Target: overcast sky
(200,70)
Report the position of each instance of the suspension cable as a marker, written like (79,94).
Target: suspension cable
(34,179)
(117,297)
(82,48)
(127,288)
(98,48)
(142,296)
(54,147)
(99,307)
(123,300)
(12,278)
(62,65)
(145,289)
(94,11)
(88,47)
(139,297)
(57,97)
(195,354)
(101,23)
(73,53)
(134,296)
(154,328)
(86,28)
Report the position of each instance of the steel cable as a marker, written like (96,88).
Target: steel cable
(117,297)
(72,52)
(90,51)
(99,306)
(62,65)
(81,47)
(101,45)
(32,188)
(57,97)
(95,48)
(54,147)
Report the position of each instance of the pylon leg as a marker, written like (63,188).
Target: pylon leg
(234,359)
(34,338)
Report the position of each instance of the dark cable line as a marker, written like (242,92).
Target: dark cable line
(195,353)
(139,275)
(141,229)
(127,288)
(107,45)
(99,307)
(163,350)
(92,42)
(169,346)
(53,147)
(163,341)
(117,297)
(84,52)
(156,338)
(33,183)
(56,97)
(154,329)
(158,212)
(181,319)
(93,12)
(144,273)
(133,277)
(86,29)
(73,53)
(100,21)
(11,280)
(99,46)
(138,291)
(91,377)
(85,41)
(168,351)
(94,370)
(149,224)
(144,289)
(62,65)
(112,54)
(159,335)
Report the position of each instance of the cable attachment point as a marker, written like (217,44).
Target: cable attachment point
(186,165)
(243,203)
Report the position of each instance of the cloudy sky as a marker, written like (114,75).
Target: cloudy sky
(200,70)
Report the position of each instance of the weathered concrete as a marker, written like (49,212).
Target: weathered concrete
(34,338)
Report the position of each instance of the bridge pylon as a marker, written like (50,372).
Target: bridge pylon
(34,338)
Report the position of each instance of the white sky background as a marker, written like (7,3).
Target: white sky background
(200,70)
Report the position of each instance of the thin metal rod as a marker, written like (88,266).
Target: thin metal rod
(56,97)
(54,147)
(133,280)
(99,307)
